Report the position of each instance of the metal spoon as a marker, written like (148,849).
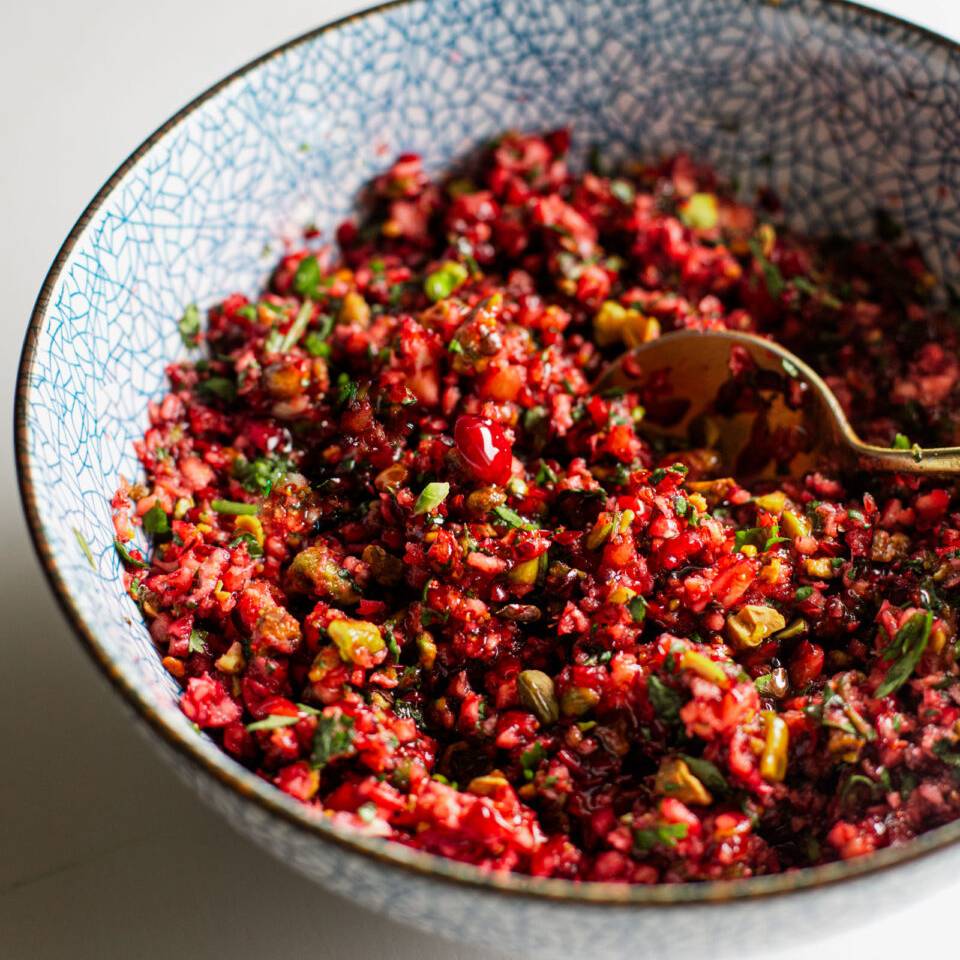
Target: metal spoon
(690,369)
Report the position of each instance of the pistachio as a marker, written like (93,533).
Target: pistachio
(353,637)
(481,502)
(520,612)
(674,779)
(232,661)
(772,502)
(536,692)
(316,570)
(385,568)
(391,477)
(752,624)
(526,572)
(488,784)
(576,701)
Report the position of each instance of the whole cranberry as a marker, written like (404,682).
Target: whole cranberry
(484,447)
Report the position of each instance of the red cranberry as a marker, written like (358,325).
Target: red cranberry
(485,448)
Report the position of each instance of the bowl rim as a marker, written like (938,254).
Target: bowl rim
(231,776)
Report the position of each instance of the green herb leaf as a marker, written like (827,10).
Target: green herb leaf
(198,640)
(333,738)
(513,519)
(307,278)
(127,559)
(706,772)
(189,327)
(531,758)
(220,387)
(664,700)
(273,722)
(665,834)
(235,508)
(907,646)
(254,549)
(432,495)
(901,442)
(155,521)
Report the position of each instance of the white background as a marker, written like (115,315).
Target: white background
(103,854)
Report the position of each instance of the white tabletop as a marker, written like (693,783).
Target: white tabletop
(103,854)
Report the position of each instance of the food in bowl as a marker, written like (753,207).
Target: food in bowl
(411,569)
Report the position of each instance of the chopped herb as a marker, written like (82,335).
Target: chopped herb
(803,593)
(905,650)
(455,346)
(333,738)
(254,549)
(127,558)
(274,722)
(545,474)
(432,495)
(155,521)
(638,609)
(189,327)
(513,519)
(901,442)
(221,387)
(706,772)
(666,834)
(235,508)
(771,272)
(198,640)
(307,278)
(531,758)
(664,700)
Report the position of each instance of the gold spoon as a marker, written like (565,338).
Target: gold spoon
(691,367)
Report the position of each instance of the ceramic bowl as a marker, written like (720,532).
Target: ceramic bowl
(839,109)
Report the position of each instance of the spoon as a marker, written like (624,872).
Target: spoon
(688,376)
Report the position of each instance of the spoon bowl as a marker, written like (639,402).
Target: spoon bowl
(764,410)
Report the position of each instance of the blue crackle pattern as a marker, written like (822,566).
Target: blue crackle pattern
(837,110)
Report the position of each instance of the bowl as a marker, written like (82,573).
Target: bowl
(839,109)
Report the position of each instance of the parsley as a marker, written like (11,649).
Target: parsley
(455,346)
(661,472)
(905,650)
(531,758)
(189,327)
(254,549)
(274,722)
(221,387)
(432,495)
(513,519)
(155,521)
(333,738)
(664,700)
(946,751)
(297,328)
(706,772)
(198,640)
(546,474)
(307,278)
(666,834)
(127,559)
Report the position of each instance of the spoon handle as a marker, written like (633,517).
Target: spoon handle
(933,461)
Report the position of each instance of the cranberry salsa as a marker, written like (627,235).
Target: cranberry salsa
(408,567)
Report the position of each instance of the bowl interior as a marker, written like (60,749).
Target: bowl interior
(838,110)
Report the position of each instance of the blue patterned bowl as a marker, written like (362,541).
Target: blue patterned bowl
(839,109)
